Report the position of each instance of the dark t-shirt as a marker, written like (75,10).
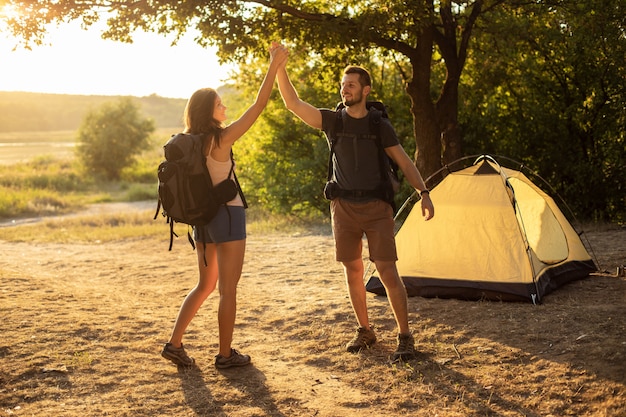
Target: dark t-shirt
(356,163)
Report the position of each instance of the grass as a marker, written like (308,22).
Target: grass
(133,224)
(85,229)
(51,185)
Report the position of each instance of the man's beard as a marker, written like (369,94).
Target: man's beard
(355,100)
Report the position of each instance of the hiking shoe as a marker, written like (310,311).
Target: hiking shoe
(363,339)
(235,359)
(177,355)
(406,348)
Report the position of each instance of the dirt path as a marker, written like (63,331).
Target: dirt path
(92,209)
(83,324)
(126,288)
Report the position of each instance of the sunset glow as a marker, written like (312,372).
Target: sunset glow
(75,61)
(9,11)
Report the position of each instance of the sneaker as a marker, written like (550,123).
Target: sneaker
(235,359)
(177,355)
(406,348)
(363,339)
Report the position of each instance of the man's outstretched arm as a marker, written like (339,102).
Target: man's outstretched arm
(306,112)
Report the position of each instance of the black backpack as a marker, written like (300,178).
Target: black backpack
(390,181)
(186,193)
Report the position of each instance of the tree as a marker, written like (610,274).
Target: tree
(545,85)
(545,81)
(111,136)
(409,31)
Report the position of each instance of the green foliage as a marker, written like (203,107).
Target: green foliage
(279,165)
(554,99)
(111,137)
(34,202)
(141,192)
(542,82)
(280,161)
(284,170)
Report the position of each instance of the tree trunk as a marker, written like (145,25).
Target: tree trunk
(425,127)
(447,110)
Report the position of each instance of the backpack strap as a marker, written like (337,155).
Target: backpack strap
(158,208)
(338,127)
(374,119)
(172,232)
(386,164)
(234,174)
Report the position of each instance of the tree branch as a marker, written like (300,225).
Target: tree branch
(392,44)
(311,17)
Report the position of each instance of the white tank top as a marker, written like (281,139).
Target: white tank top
(219,172)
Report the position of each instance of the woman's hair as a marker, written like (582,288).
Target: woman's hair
(198,115)
(364,75)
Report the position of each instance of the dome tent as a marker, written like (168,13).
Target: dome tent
(495,236)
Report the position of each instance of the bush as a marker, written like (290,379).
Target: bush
(111,137)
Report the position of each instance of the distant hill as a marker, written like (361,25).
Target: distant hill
(23,112)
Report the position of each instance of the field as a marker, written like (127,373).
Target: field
(83,323)
(19,147)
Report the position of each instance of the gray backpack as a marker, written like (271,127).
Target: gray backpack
(186,193)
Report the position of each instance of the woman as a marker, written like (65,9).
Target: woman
(225,236)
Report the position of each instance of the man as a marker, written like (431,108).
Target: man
(356,168)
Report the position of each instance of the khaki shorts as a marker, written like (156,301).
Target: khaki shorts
(351,220)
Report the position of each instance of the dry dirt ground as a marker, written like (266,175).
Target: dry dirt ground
(82,326)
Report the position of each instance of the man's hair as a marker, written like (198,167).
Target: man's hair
(364,76)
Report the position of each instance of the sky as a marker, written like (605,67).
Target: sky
(74,61)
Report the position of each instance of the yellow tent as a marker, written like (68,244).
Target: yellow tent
(495,235)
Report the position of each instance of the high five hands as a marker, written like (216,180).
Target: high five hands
(278,53)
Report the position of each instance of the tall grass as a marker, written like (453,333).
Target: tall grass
(50,185)
(47,185)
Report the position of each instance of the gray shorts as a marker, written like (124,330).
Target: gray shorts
(229,224)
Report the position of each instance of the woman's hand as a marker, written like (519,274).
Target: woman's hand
(278,54)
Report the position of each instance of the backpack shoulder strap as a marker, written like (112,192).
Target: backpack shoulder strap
(202,137)
(374,117)
(338,127)
(234,174)
(385,161)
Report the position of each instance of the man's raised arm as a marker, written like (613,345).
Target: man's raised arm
(306,112)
